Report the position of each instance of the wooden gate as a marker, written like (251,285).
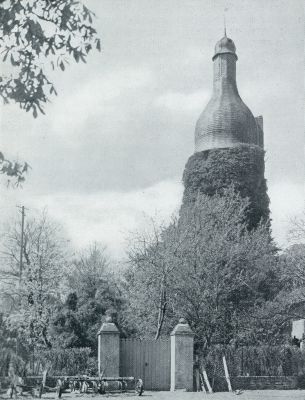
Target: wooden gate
(148,360)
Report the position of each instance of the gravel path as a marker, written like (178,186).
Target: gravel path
(246,395)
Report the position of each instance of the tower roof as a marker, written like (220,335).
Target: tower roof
(225,45)
(226,121)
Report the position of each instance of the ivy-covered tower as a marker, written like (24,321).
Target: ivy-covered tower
(229,142)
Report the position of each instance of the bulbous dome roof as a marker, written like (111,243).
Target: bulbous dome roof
(225,45)
(226,121)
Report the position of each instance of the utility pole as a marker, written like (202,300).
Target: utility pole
(21,241)
(22,210)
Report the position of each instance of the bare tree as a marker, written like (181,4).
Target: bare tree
(150,274)
(33,291)
(206,267)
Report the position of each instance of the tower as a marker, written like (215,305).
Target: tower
(226,121)
(228,142)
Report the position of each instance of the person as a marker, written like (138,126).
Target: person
(295,341)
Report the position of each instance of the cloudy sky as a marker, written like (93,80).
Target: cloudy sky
(111,150)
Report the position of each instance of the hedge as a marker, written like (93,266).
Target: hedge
(72,361)
(256,361)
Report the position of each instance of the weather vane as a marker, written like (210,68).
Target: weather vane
(224,21)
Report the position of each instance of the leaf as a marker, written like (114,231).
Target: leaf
(25,167)
(5,57)
(76,55)
(35,112)
(62,66)
(53,90)
(98,44)
(14,63)
(82,56)
(41,109)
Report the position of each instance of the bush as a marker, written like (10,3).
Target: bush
(73,361)
(301,381)
(9,357)
(256,361)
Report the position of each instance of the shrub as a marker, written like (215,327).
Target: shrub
(72,361)
(9,357)
(256,361)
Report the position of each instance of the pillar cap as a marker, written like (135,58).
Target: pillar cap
(108,327)
(182,328)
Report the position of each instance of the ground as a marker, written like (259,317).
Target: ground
(246,395)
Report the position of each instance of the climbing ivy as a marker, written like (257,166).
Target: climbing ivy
(212,171)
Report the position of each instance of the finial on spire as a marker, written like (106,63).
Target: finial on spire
(225,24)
(225,21)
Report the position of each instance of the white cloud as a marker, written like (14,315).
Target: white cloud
(194,55)
(100,96)
(107,217)
(286,202)
(110,216)
(182,102)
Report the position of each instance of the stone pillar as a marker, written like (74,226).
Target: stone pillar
(182,357)
(109,349)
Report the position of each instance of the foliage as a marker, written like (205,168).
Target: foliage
(9,358)
(14,171)
(297,229)
(72,361)
(148,280)
(37,36)
(212,171)
(66,328)
(94,291)
(260,360)
(272,323)
(33,291)
(213,270)
(8,350)
(223,267)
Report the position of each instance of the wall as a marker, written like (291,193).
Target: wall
(257,383)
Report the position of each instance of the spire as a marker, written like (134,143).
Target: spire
(226,121)
(225,25)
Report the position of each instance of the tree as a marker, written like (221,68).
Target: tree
(35,289)
(225,270)
(273,321)
(13,170)
(66,328)
(149,279)
(289,303)
(94,291)
(37,36)
(215,270)
(11,351)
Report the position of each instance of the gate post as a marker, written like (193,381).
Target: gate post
(109,349)
(182,356)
